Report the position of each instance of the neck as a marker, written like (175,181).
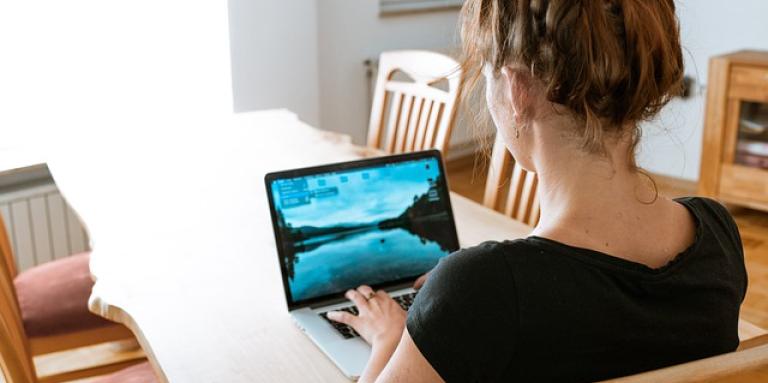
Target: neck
(582,190)
(601,202)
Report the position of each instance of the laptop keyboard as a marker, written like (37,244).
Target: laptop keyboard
(405,301)
(345,331)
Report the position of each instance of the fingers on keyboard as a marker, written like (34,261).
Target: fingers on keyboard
(345,331)
(405,301)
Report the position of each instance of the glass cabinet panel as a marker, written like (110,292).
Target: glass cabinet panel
(752,144)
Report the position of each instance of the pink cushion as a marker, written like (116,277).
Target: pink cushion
(53,297)
(139,373)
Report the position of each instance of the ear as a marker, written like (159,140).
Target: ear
(517,92)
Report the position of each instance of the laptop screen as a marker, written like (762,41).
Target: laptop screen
(376,222)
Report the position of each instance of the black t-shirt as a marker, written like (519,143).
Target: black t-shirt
(536,310)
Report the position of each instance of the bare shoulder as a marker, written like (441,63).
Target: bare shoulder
(408,365)
(668,230)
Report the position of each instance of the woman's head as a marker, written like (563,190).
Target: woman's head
(605,64)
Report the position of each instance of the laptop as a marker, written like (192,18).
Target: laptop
(382,222)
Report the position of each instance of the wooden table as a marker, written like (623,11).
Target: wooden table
(183,250)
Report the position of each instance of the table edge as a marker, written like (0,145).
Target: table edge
(116,314)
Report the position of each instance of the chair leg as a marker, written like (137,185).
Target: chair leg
(88,372)
(49,344)
(85,362)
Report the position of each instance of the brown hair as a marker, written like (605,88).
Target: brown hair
(611,63)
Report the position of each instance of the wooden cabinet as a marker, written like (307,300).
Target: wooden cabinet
(734,161)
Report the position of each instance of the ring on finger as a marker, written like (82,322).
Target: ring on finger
(370,296)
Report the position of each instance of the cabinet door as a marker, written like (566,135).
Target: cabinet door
(745,156)
(748,83)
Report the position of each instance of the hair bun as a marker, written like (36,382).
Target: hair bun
(611,63)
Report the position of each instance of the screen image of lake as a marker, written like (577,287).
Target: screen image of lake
(367,256)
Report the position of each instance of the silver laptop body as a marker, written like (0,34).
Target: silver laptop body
(381,222)
(350,354)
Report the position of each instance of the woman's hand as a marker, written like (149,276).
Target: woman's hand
(381,320)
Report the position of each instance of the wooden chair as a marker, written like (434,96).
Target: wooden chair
(17,349)
(748,364)
(417,115)
(16,361)
(520,187)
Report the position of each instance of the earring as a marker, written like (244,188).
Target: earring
(517,132)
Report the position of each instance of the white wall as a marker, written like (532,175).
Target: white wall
(307,55)
(274,56)
(350,31)
(672,145)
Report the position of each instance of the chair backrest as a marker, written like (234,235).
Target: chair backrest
(6,252)
(414,115)
(513,193)
(744,365)
(15,355)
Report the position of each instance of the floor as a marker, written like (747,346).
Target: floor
(467,177)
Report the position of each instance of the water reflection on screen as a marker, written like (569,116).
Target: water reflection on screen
(363,226)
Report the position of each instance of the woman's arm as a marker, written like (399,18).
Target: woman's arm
(394,356)
(408,364)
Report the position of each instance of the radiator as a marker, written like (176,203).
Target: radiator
(40,224)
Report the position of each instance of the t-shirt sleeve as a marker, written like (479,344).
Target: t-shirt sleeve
(726,227)
(726,222)
(464,319)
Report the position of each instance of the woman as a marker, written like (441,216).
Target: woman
(614,279)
